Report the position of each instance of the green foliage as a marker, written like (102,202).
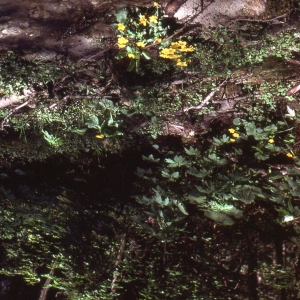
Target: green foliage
(141,29)
(51,139)
(244,172)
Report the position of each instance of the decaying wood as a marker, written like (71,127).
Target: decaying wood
(12,99)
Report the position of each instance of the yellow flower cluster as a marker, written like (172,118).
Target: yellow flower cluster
(152,19)
(122,42)
(290,155)
(169,53)
(181,63)
(234,134)
(271,141)
(181,46)
(156,4)
(143,20)
(175,50)
(131,55)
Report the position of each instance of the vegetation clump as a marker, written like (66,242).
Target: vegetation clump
(194,190)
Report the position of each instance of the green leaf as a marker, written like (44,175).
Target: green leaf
(80,131)
(270,129)
(261,156)
(150,158)
(93,122)
(108,104)
(192,151)
(246,193)
(217,160)
(166,174)
(233,211)
(293,171)
(131,65)
(146,55)
(129,49)
(196,198)
(141,172)
(219,217)
(250,129)
(158,199)
(237,122)
(121,15)
(223,140)
(121,55)
(199,174)
(181,207)
(177,162)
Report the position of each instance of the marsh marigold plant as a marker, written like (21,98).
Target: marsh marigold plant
(144,30)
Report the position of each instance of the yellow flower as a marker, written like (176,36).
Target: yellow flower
(143,20)
(140,44)
(158,40)
(169,56)
(181,63)
(100,136)
(153,19)
(189,49)
(231,130)
(169,53)
(121,26)
(236,135)
(122,42)
(178,45)
(290,155)
(232,140)
(156,4)
(271,141)
(130,55)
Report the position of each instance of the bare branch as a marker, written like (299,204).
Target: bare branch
(12,112)
(207,98)
(119,257)
(45,289)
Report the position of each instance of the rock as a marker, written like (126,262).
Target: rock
(220,11)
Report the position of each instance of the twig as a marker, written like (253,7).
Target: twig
(207,98)
(107,49)
(263,21)
(188,23)
(12,112)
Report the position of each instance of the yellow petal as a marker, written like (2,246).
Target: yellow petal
(121,26)
(140,44)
